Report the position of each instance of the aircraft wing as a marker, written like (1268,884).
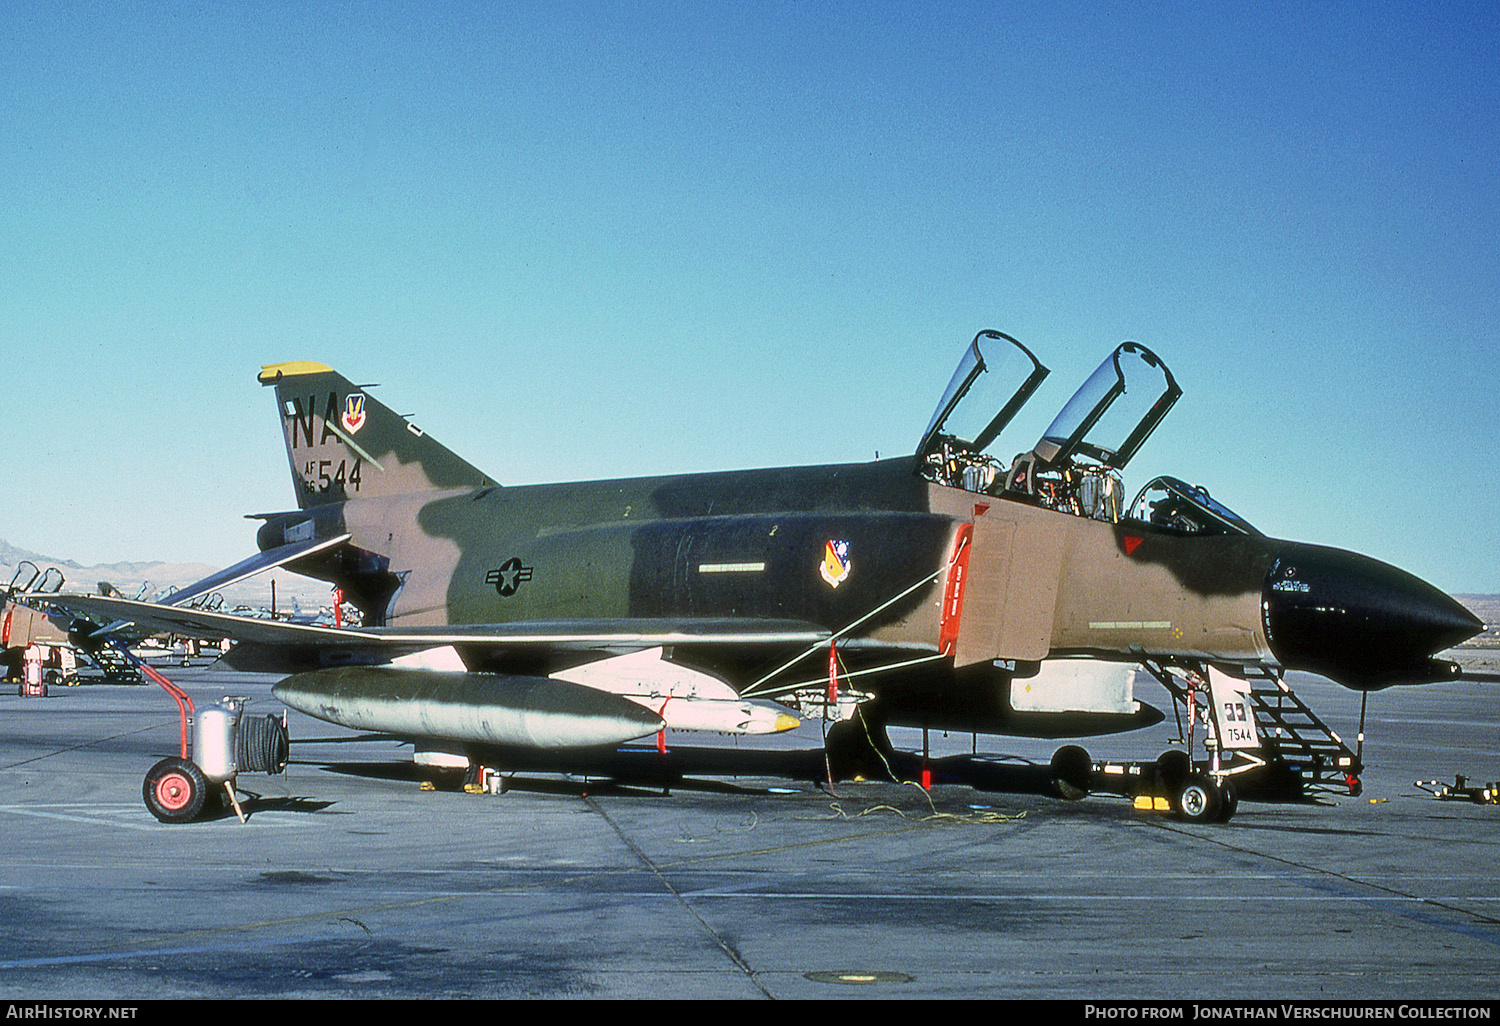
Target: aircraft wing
(631,632)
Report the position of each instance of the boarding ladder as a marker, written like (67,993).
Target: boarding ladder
(1296,745)
(117,668)
(1292,734)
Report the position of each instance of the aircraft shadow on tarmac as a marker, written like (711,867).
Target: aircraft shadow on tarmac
(703,769)
(634,784)
(645,770)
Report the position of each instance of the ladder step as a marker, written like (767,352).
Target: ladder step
(1293,733)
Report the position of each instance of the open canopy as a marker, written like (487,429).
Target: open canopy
(1114,412)
(994,379)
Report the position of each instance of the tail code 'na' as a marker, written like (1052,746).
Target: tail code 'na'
(343,444)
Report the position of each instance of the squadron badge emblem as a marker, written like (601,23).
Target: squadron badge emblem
(354,412)
(835,565)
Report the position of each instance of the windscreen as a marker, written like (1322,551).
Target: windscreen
(1182,508)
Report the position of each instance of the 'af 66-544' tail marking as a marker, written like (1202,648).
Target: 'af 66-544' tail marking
(320,476)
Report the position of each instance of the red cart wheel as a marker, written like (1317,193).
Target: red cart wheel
(174,790)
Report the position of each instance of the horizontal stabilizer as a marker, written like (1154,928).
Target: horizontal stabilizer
(256,564)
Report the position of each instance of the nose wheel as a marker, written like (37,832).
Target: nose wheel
(1199,799)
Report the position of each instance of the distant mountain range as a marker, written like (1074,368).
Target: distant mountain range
(157,577)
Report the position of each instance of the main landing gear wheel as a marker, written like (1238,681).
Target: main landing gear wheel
(859,748)
(174,790)
(1071,768)
(1199,800)
(1173,767)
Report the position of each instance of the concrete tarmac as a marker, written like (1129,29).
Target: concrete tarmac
(348,880)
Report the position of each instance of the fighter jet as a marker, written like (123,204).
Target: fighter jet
(947,589)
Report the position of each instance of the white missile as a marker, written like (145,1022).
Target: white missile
(723,716)
(482,708)
(685,698)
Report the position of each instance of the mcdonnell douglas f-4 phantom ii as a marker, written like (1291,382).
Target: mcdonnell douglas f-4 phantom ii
(944,589)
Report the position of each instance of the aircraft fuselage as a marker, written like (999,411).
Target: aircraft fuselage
(946,587)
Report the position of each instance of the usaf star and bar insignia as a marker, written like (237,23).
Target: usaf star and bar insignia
(510,576)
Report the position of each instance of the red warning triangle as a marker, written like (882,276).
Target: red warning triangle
(1132,542)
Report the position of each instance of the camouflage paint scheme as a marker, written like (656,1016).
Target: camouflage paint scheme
(436,542)
(937,597)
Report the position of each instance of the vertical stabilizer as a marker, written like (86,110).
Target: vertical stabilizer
(344,444)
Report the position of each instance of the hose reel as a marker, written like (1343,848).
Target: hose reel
(226,743)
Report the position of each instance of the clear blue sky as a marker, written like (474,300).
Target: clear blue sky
(592,240)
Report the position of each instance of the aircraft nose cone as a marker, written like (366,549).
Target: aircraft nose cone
(1360,622)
